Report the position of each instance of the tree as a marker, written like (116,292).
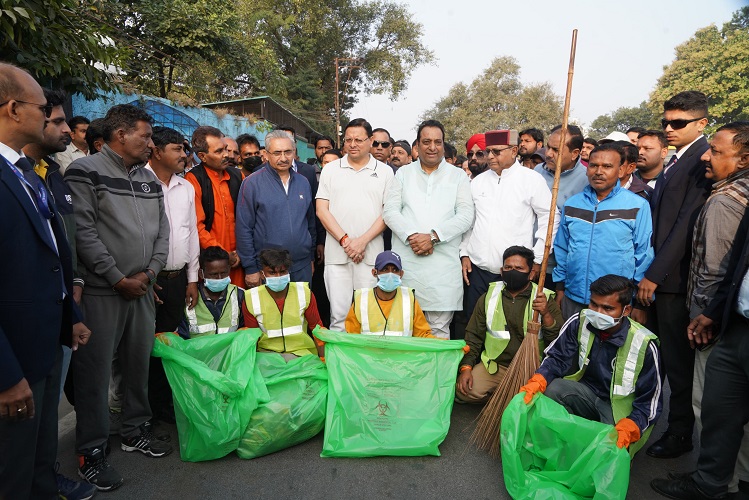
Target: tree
(58,43)
(496,99)
(713,61)
(307,35)
(621,120)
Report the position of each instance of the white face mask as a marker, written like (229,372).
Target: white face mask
(602,321)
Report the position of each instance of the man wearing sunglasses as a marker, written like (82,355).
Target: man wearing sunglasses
(677,199)
(475,152)
(521,197)
(382,145)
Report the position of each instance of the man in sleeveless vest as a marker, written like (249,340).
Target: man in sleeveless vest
(389,308)
(619,377)
(499,324)
(219,306)
(285,311)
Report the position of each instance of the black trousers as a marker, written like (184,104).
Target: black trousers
(670,324)
(29,447)
(168,317)
(725,407)
(321,295)
(479,280)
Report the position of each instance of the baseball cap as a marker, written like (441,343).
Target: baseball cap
(388,257)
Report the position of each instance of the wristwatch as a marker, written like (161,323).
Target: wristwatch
(434,238)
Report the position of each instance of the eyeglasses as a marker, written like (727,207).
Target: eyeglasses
(46,108)
(357,141)
(477,154)
(279,154)
(679,123)
(384,144)
(496,151)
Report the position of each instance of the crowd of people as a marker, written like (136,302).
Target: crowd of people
(119,228)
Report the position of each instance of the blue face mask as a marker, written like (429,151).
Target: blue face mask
(217,285)
(277,283)
(388,282)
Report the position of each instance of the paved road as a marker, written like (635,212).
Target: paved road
(299,472)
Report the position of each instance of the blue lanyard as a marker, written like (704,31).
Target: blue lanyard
(40,191)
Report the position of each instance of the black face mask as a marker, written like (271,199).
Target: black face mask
(477,169)
(515,280)
(252,162)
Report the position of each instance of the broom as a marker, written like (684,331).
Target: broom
(526,360)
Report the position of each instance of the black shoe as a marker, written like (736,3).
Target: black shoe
(680,475)
(159,432)
(146,443)
(681,489)
(670,446)
(95,469)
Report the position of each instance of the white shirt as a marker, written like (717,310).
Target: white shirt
(508,208)
(184,245)
(356,201)
(65,158)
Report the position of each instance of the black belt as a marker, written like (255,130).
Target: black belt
(171,274)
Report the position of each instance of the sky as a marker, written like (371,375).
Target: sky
(622,47)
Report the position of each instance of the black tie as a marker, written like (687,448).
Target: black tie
(40,192)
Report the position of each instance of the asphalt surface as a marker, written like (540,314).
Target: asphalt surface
(299,472)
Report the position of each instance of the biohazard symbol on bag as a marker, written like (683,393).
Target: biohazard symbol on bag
(383,408)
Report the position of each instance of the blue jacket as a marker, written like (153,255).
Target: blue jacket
(599,238)
(562,358)
(268,217)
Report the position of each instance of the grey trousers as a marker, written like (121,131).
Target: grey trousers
(29,447)
(124,326)
(569,307)
(580,400)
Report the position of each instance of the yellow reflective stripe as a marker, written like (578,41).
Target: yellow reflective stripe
(407,324)
(491,309)
(629,372)
(257,311)
(364,311)
(234,325)
(585,344)
(291,330)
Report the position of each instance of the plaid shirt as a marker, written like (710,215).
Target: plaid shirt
(716,230)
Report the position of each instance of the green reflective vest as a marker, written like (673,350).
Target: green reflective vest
(627,367)
(497,337)
(400,323)
(283,331)
(200,320)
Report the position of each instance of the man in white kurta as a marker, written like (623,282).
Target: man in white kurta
(512,208)
(429,207)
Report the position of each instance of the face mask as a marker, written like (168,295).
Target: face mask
(515,280)
(277,283)
(602,321)
(217,285)
(252,162)
(388,282)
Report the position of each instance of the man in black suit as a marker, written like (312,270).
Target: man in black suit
(676,202)
(724,403)
(37,311)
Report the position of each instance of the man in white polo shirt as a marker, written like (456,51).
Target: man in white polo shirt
(350,200)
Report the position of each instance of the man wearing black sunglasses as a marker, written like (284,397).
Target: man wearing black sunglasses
(382,145)
(476,156)
(678,198)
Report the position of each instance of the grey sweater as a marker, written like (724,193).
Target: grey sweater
(121,226)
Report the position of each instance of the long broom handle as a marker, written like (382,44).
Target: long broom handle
(557,170)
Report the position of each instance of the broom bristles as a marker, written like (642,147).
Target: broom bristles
(523,366)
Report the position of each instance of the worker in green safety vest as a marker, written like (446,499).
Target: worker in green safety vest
(285,311)
(617,374)
(219,306)
(499,324)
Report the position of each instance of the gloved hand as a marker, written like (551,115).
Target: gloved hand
(628,432)
(537,383)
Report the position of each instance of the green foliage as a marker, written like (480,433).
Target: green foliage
(496,99)
(713,61)
(57,41)
(621,120)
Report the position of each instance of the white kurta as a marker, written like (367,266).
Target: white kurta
(420,203)
(509,208)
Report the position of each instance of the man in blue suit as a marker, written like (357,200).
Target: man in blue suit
(37,311)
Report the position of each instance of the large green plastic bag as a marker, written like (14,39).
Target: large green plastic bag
(215,389)
(388,395)
(295,411)
(549,454)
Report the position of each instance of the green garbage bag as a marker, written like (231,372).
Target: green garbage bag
(388,395)
(215,389)
(295,412)
(549,454)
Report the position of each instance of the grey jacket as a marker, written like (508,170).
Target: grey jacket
(121,226)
